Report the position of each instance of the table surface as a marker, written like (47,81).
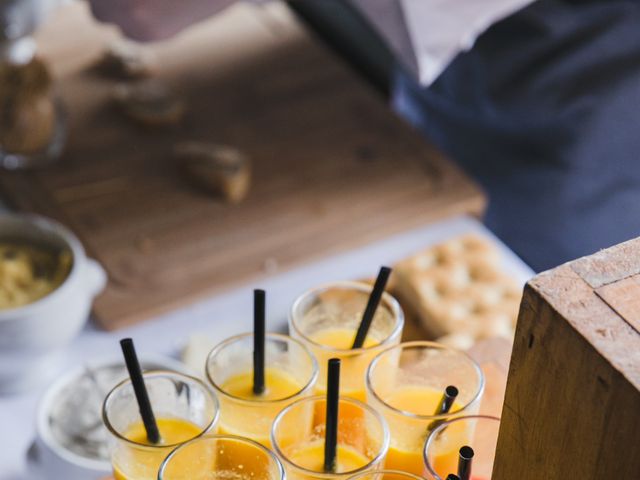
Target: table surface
(168,333)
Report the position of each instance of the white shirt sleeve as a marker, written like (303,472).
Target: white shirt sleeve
(387,18)
(426,35)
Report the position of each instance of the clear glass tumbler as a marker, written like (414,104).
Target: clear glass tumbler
(386,475)
(221,457)
(290,374)
(298,437)
(406,383)
(326,319)
(184,408)
(441,451)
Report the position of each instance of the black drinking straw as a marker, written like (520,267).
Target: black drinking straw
(331,428)
(453,476)
(258,341)
(139,388)
(446,402)
(372,306)
(464,462)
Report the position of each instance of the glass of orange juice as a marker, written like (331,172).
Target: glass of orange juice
(221,457)
(298,437)
(406,384)
(184,407)
(326,320)
(290,373)
(386,475)
(441,451)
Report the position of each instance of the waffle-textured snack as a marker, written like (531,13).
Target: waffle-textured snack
(459,291)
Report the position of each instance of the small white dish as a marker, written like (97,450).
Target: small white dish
(47,458)
(32,335)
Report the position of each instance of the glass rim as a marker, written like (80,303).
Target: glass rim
(418,344)
(211,436)
(160,373)
(387,471)
(258,401)
(439,429)
(384,447)
(387,298)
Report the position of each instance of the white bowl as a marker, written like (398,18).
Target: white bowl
(32,335)
(47,458)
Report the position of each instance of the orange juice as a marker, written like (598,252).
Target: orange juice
(311,457)
(406,384)
(442,449)
(234,421)
(340,338)
(143,464)
(326,320)
(219,458)
(353,366)
(446,450)
(405,451)
(352,369)
(242,458)
(447,463)
(299,439)
(279,385)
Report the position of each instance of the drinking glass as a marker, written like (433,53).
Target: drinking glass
(298,437)
(184,407)
(406,384)
(291,372)
(223,457)
(441,451)
(326,319)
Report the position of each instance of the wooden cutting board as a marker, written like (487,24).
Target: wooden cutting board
(333,167)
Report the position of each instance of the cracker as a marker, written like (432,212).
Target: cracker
(459,291)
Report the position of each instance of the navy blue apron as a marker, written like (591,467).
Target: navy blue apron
(544,112)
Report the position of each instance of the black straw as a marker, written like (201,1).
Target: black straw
(331,428)
(258,341)
(446,402)
(464,462)
(139,388)
(453,476)
(372,306)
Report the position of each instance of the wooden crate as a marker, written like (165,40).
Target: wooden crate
(572,405)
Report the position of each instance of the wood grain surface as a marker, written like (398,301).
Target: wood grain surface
(572,404)
(624,297)
(333,167)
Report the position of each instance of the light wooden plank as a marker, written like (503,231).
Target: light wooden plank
(624,298)
(572,404)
